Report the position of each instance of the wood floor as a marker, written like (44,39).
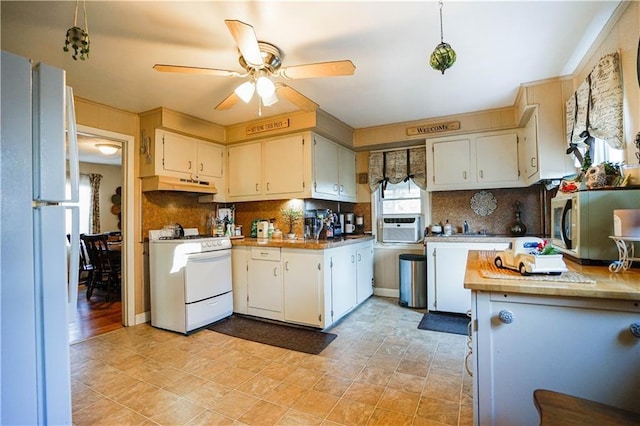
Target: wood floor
(95,316)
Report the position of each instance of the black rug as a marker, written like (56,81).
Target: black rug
(444,322)
(280,335)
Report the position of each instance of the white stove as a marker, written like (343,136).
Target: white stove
(190,279)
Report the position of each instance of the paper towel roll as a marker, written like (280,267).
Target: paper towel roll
(626,223)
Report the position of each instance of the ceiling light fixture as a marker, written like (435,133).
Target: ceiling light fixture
(107,148)
(262,84)
(443,55)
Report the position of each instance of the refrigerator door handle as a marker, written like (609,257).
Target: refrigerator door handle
(74,264)
(72,147)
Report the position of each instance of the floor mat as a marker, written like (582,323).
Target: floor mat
(280,335)
(444,322)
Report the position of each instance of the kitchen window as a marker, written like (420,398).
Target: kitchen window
(400,198)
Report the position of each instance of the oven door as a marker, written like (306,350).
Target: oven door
(207,275)
(564,223)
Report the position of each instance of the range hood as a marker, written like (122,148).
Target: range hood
(170,183)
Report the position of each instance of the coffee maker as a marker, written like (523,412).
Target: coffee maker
(349,223)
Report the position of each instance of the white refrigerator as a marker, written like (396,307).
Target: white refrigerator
(38,276)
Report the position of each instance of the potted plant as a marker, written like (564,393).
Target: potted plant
(291,216)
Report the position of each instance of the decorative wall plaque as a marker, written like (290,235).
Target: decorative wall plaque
(433,128)
(265,127)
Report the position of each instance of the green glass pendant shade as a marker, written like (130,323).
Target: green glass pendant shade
(443,57)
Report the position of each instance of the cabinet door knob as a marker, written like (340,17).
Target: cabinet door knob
(189,164)
(201,167)
(275,271)
(635,329)
(505,316)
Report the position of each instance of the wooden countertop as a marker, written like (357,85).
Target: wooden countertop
(608,285)
(300,243)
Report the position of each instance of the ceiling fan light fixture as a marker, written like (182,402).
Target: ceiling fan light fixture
(443,56)
(245,91)
(107,148)
(265,87)
(269,100)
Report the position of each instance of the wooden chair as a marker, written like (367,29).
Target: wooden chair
(85,268)
(106,272)
(559,409)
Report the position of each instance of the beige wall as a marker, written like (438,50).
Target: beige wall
(111,179)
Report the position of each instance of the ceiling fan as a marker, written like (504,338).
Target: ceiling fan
(262,61)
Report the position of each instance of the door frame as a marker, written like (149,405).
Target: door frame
(128,226)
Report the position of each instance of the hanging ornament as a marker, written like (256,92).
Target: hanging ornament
(443,56)
(78,38)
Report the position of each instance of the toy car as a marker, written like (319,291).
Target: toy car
(531,255)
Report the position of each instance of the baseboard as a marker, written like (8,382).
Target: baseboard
(386,292)
(143,317)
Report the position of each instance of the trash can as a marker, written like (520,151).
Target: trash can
(413,281)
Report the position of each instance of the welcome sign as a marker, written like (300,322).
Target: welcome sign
(433,128)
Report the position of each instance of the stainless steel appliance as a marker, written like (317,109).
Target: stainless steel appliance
(581,222)
(190,280)
(39,286)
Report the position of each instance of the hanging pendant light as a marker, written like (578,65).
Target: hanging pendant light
(443,56)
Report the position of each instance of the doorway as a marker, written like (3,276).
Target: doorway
(97,317)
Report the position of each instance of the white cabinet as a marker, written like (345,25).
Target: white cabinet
(303,287)
(451,162)
(477,161)
(269,169)
(334,171)
(343,281)
(541,111)
(239,276)
(578,346)
(185,157)
(264,283)
(283,161)
(446,265)
(364,273)
(245,170)
(543,158)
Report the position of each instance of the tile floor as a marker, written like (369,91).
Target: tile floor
(380,370)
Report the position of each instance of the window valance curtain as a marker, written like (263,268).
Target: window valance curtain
(595,109)
(398,166)
(94,180)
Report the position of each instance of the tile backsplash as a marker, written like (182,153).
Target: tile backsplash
(455,206)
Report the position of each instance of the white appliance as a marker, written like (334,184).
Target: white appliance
(581,222)
(36,158)
(401,229)
(190,279)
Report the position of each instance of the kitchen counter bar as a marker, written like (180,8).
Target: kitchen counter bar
(622,285)
(303,244)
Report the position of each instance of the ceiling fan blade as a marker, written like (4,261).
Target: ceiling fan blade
(320,69)
(296,98)
(228,102)
(195,70)
(245,38)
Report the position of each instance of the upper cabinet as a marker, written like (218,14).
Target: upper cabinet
(334,171)
(188,156)
(297,166)
(476,161)
(269,169)
(541,113)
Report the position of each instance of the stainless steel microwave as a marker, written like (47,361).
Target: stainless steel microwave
(581,222)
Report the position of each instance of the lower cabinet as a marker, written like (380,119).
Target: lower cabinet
(264,283)
(446,265)
(578,346)
(302,286)
(364,273)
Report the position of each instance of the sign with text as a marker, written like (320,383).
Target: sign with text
(265,127)
(433,128)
